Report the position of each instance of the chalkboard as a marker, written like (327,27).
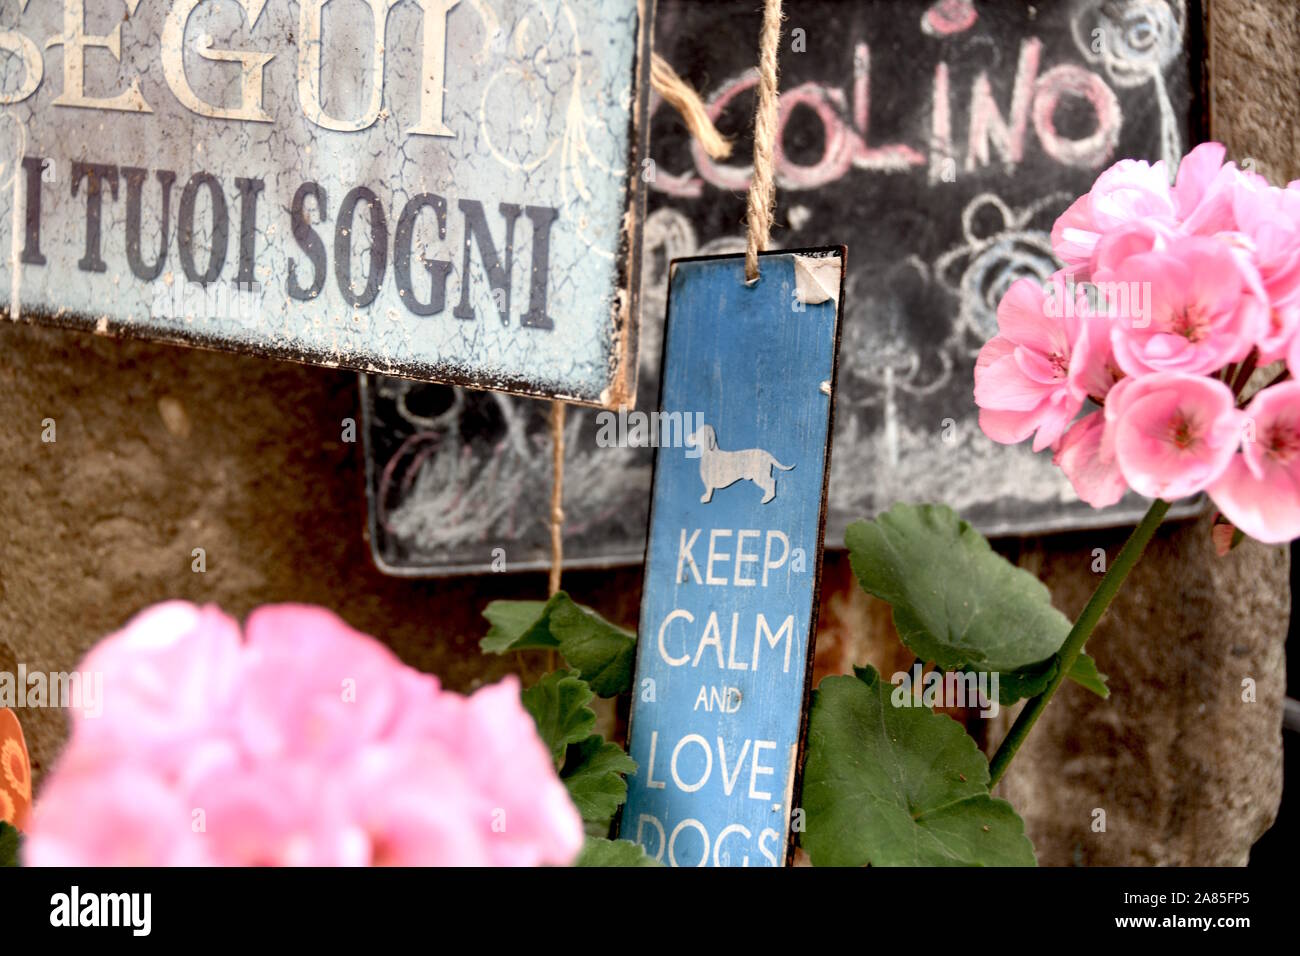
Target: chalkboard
(943,200)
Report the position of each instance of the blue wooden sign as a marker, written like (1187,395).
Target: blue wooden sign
(732,563)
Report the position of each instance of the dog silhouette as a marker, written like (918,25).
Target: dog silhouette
(719,468)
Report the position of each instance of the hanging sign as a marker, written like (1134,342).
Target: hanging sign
(733,559)
(441,190)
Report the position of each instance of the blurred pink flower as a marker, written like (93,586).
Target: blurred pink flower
(173,674)
(1260,491)
(303,743)
(1174,434)
(111,815)
(1022,374)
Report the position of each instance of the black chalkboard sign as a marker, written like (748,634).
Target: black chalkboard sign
(938,141)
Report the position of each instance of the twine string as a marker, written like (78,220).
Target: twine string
(682,97)
(557,495)
(760,205)
(761,201)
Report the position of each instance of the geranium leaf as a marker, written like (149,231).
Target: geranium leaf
(1033,680)
(558,705)
(593,772)
(1085,674)
(1027,681)
(603,653)
(519,625)
(899,786)
(955,600)
(601,852)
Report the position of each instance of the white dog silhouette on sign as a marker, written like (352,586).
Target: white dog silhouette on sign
(719,468)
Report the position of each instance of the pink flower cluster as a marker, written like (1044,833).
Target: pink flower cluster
(302,742)
(1171,294)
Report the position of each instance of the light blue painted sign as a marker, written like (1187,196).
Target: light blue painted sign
(732,564)
(440,189)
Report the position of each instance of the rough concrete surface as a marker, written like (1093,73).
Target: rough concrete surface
(1186,771)
(161,450)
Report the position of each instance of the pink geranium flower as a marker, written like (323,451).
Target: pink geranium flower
(1194,286)
(1128,192)
(1193,307)
(1174,434)
(1204,189)
(1093,369)
(1086,453)
(303,742)
(1022,375)
(1269,225)
(1260,491)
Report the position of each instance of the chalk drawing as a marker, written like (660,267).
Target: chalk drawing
(949,17)
(1135,42)
(981,269)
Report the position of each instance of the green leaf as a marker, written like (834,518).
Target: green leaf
(955,600)
(1085,674)
(593,773)
(1033,680)
(10,844)
(600,852)
(603,653)
(899,786)
(1026,681)
(519,625)
(558,704)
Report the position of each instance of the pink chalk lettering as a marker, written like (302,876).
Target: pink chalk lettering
(987,125)
(1069,80)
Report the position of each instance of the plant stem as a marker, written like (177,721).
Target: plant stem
(1078,636)
(1244,372)
(1281,376)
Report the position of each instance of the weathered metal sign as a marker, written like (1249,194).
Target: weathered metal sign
(733,560)
(437,189)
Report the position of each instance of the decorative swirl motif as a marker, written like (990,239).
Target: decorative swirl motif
(1135,41)
(15,772)
(979,272)
(533,111)
(1130,39)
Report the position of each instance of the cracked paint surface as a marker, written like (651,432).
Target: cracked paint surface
(538,96)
